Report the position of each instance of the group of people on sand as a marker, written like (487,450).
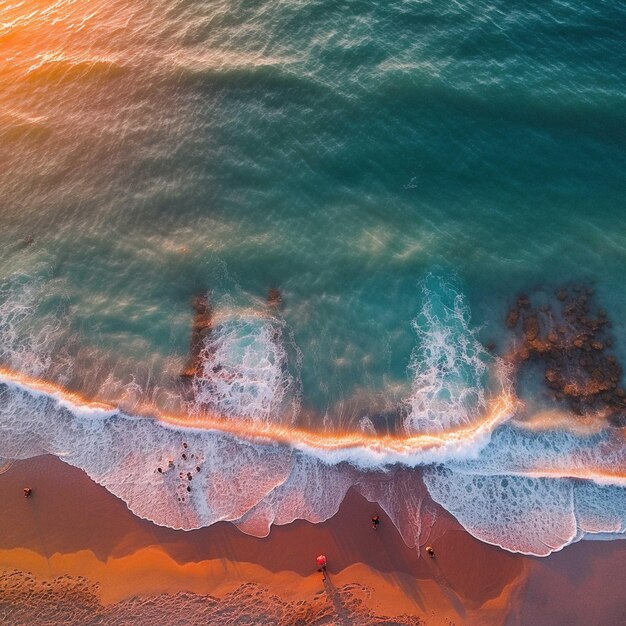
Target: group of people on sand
(322,561)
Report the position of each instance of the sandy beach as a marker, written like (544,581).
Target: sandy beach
(269,262)
(73,549)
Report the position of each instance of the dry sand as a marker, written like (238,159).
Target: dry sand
(73,553)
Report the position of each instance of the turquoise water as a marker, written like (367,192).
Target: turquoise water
(335,151)
(340,152)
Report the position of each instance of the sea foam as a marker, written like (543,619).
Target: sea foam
(245,370)
(449,366)
(527,491)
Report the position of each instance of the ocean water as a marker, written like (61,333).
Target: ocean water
(400,171)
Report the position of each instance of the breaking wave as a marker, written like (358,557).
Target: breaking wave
(232,459)
(245,370)
(449,366)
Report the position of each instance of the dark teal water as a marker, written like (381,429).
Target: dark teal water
(336,151)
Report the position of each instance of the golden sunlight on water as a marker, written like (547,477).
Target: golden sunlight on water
(393,448)
(52,42)
(46,39)
(44,47)
(500,409)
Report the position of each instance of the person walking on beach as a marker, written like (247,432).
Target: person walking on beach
(375,521)
(321,565)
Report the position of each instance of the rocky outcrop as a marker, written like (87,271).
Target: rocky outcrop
(201,328)
(570,339)
(274,297)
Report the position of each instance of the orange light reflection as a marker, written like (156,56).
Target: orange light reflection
(501,407)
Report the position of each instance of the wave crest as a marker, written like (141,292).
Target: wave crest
(245,371)
(449,366)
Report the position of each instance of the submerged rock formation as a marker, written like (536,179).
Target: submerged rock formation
(569,337)
(201,328)
(274,297)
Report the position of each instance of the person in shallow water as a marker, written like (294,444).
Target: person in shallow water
(321,565)
(375,521)
(431,552)
(27,492)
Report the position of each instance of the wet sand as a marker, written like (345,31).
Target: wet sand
(73,550)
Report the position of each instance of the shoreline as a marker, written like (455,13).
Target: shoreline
(72,527)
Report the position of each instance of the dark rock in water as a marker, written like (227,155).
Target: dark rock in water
(274,297)
(201,329)
(531,328)
(570,340)
(512,318)
(551,376)
(618,419)
(597,374)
